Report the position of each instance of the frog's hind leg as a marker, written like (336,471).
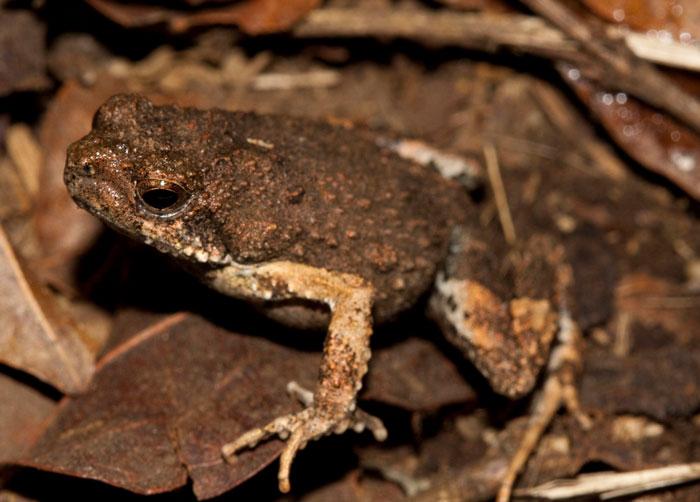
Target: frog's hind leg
(497,305)
(503,307)
(559,387)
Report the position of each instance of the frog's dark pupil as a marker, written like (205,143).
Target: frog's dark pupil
(161,198)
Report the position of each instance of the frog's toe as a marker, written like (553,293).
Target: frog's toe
(299,428)
(358,420)
(282,426)
(315,426)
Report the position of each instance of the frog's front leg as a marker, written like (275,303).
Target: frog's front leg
(345,354)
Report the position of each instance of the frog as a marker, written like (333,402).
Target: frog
(319,225)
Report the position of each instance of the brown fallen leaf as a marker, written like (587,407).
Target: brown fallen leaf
(653,368)
(663,383)
(680,18)
(22,53)
(22,416)
(252,16)
(655,140)
(356,488)
(630,442)
(163,402)
(36,335)
(414,375)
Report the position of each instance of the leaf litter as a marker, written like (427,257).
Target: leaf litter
(633,241)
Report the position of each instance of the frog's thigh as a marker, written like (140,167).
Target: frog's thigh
(499,313)
(346,349)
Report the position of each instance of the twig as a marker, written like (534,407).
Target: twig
(615,66)
(614,484)
(527,34)
(499,193)
(564,119)
(572,42)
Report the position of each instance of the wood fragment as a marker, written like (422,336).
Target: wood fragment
(306,80)
(529,34)
(671,53)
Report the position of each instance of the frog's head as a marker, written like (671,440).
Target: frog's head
(137,171)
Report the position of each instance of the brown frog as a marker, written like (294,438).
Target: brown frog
(320,226)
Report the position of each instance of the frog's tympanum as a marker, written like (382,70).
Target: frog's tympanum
(319,226)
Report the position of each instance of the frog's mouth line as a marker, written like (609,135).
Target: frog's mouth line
(186,249)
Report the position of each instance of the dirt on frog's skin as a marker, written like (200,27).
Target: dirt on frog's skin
(267,188)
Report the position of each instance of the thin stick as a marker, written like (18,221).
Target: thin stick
(614,484)
(499,193)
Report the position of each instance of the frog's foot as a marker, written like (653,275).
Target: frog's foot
(559,389)
(299,428)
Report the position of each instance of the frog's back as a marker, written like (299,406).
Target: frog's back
(356,207)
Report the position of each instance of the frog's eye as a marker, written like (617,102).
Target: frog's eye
(161,198)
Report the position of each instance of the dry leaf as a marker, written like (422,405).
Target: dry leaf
(414,375)
(663,383)
(22,53)
(161,406)
(35,335)
(656,141)
(656,302)
(357,488)
(22,416)
(252,16)
(680,18)
(163,403)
